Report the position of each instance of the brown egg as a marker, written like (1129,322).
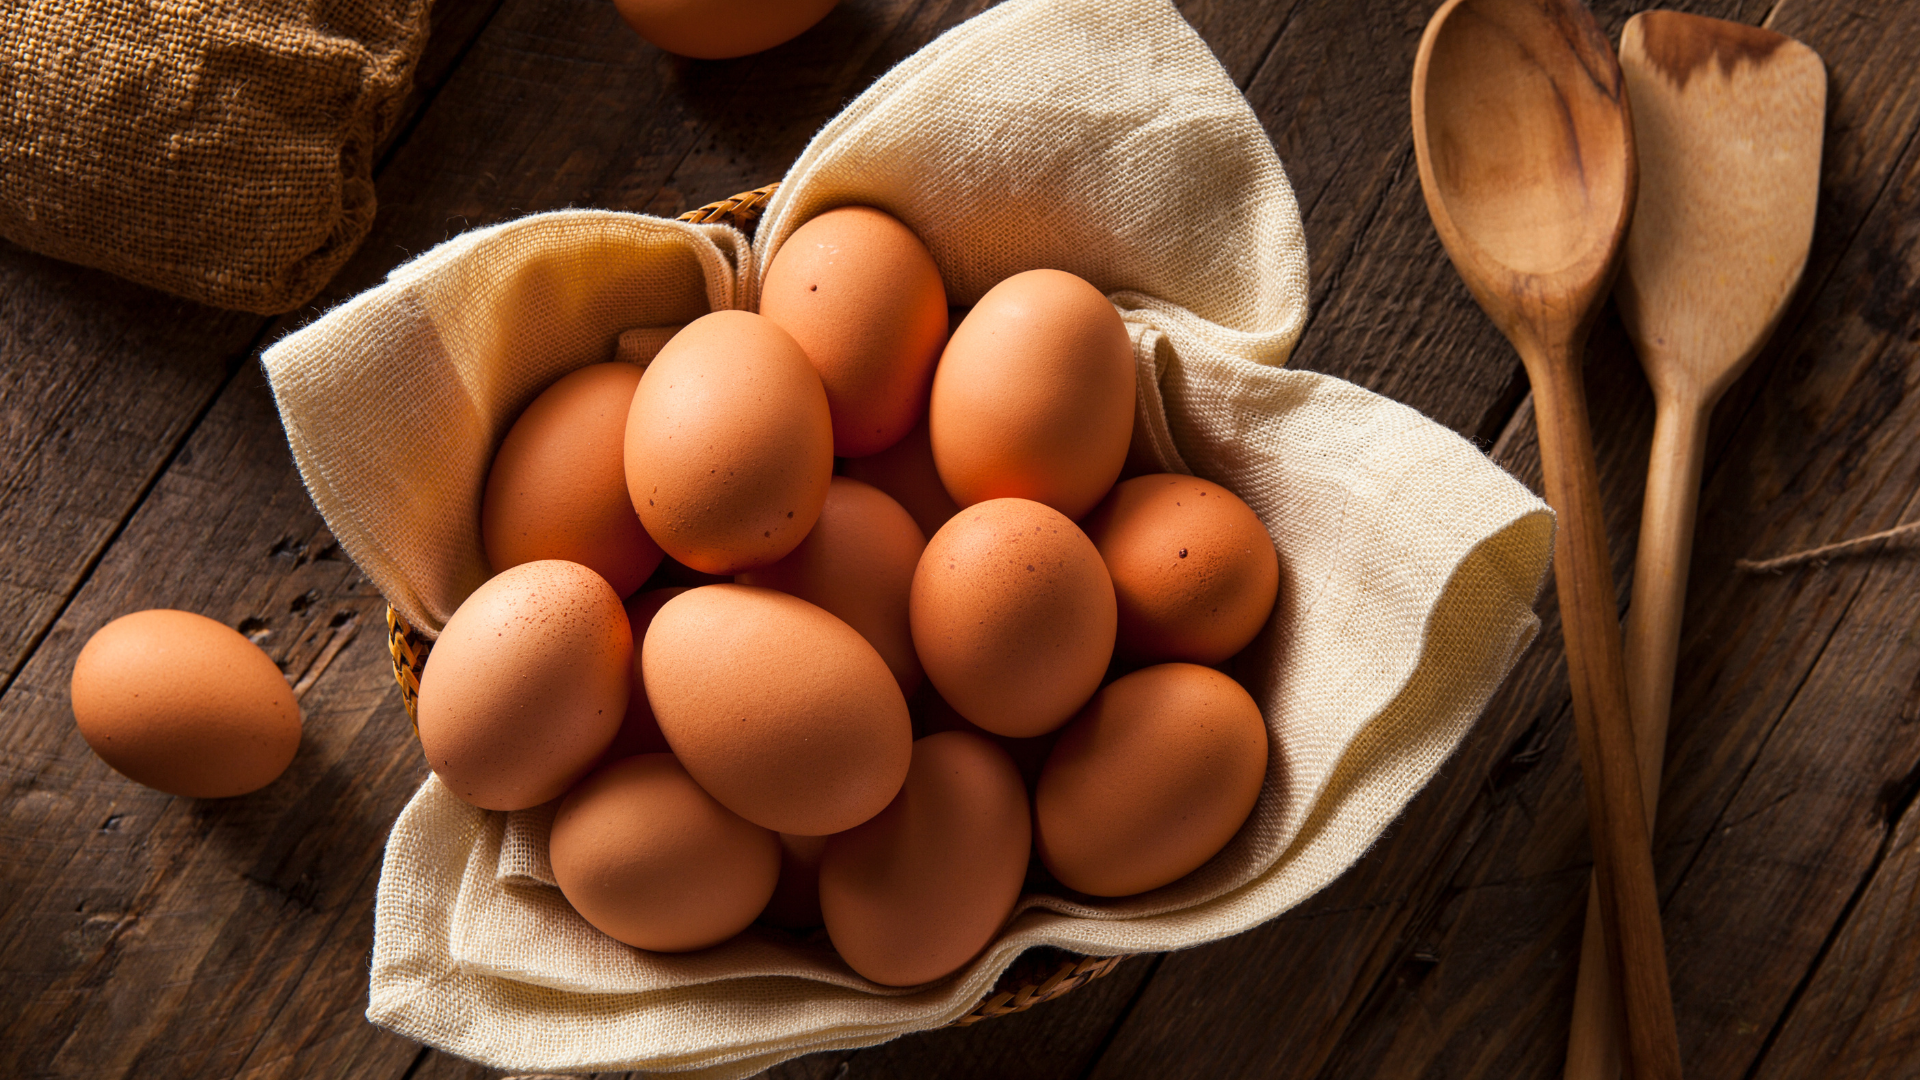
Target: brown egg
(905,471)
(526,686)
(716,30)
(1013,616)
(729,447)
(780,710)
(1033,398)
(860,293)
(796,898)
(1150,780)
(650,859)
(918,891)
(558,489)
(639,732)
(1194,572)
(185,705)
(858,564)
(931,715)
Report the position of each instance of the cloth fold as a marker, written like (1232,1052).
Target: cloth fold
(1094,136)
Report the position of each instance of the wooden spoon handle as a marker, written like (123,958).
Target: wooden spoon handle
(1583,577)
(1652,648)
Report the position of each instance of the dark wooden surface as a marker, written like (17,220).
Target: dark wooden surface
(142,465)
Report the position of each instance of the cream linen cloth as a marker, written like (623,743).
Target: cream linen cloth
(1099,137)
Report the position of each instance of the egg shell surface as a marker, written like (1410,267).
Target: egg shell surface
(1013,616)
(861,294)
(1150,781)
(526,686)
(639,732)
(650,859)
(796,897)
(729,446)
(558,487)
(780,710)
(184,704)
(918,891)
(716,30)
(905,471)
(858,564)
(1034,395)
(1195,573)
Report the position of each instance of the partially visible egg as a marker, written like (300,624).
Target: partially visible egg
(526,686)
(796,897)
(183,704)
(1013,616)
(918,891)
(905,471)
(650,859)
(1034,395)
(557,488)
(716,30)
(639,732)
(729,446)
(858,563)
(861,294)
(780,710)
(1150,781)
(1194,571)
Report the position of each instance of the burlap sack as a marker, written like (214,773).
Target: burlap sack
(1095,136)
(221,150)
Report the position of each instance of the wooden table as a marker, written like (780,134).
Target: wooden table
(142,465)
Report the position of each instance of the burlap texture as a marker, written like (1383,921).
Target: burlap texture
(221,150)
(1094,136)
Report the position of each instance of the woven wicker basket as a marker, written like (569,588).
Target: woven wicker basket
(1039,974)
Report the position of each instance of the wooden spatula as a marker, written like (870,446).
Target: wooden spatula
(1727,120)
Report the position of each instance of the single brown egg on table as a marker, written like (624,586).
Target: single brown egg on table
(717,30)
(918,891)
(729,446)
(1013,616)
(650,859)
(1034,395)
(780,710)
(526,686)
(183,704)
(905,471)
(1195,573)
(639,732)
(860,293)
(1150,781)
(858,564)
(796,897)
(558,486)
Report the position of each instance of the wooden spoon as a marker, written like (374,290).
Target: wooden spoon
(1728,120)
(1526,157)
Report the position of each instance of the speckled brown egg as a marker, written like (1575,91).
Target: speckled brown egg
(1034,395)
(1013,616)
(729,447)
(860,293)
(650,859)
(1194,571)
(717,30)
(858,563)
(1150,781)
(780,710)
(905,471)
(639,732)
(526,686)
(185,705)
(558,489)
(796,897)
(918,891)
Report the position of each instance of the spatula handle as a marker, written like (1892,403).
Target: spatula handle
(1583,577)
(1652,649)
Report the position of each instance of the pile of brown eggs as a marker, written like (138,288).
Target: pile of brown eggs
(733,750)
